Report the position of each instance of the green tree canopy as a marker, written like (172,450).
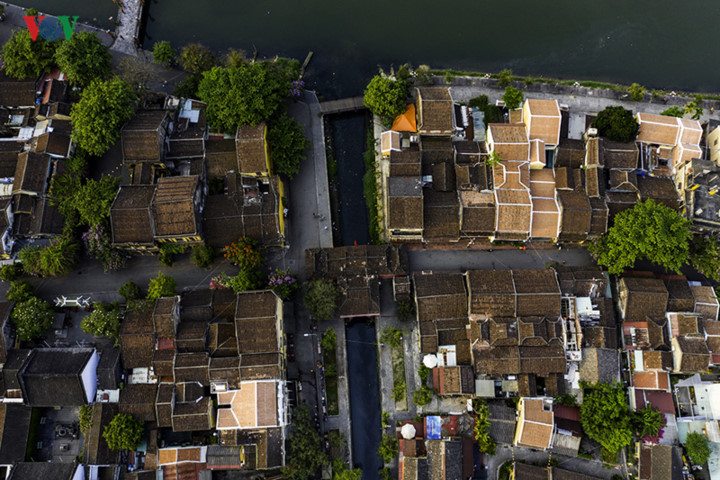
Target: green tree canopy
(617,123)
(697,448)
(705,255)
(388,448)
(321,298)
(130,291)
(341,472)
(197,58)
(24,58)
(83,58)
(512,97)
(32,318)
(103,321)
(103,108)
(423,396)
(55,259)
(674,111)
(649,231)
(163,53)
(124,432)
(287,145)
(93,200)
(247,94)
(386,97)
(486,444)
(19,291)
(649,421)
(161,286)
(605,416)
(305,454)
(637,92)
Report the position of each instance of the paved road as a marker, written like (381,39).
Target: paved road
(460,260)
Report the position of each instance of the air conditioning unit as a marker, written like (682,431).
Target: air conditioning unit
(592,132)
(414,139)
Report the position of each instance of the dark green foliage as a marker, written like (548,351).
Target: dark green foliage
(93,200)
(10,272)
(385,419)
(246,279)
(406,310)
(392,336)
(305,454)
(130,291)
(329,339)
(57,258)
(85,418)
(161,286)
(617,123)
(341,472)
(493,114)
(32,317)
(83,58)
(482,430)
(103,108)
(605,416)
(674,111)
(705,255)
(203,255)
(24,58)
(163,53)
(649,421)
(423,396)
(504,78)
(244,95)
(197,58)
(567,399)
(64,188)
(287,142)
(370,190)
(188,87)
(234,58)
(386,97)
(168,250)
(423,75)
(424,372)
(637,92)
(388,448)
(20,291)
(648,231)
(103,321)
(696,445)
(321,298)
(512,97)
(124,432)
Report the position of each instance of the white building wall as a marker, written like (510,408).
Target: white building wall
(89,379)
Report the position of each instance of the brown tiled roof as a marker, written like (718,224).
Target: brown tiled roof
(31,173)
(360,297)
(16,93)
(526,471)
(164,314)
(163,404)
(538,292)
(695,355)
(440,214)
(405,163)
(435,110)
(137,340)
(191,336)
(221,157)
(192,367)
(95,448)
(655,380)
(130,215)
(9,158)
(576,215)
(623,180)
(660,462)
(405,203)
(570,153)
(492,293)
(477,215)
(538,425)
(163,362)
(221,340)
(193,416)
(706,304)
(256,322)
(599,216)
(680,296)
(142,137)
(53,143)
(225,369)
(544,120)
(641,297)
(657,360)
(442,309)
(657,129)
(174,208)
(138,400)
(362,260)
(660,189)
(619,155)
(251,148)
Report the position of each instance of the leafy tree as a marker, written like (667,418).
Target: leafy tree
(85,418)
(649,421)
(674,111)
(388,448)
(504,78)
(161,286)
(406,310)
(637,92)
(694,109)
(649,231)
(449,77)
(163,53)
(203,256)
(696,445)
(282,283)
(93,200)
(57,258)
(305,454)
(482,430)
(245,253)
(103,321)
(329,339)
(423,75)
(424,373)
(168,250)
(130,291)
(512,97)
(32,317)
(98,245)
(22,57)
(386,97)
(103,108)
(234,58)
(124,432)
(321,298)
(188,87)
(20,291)
(617,123)
(246,279)
(605,416)
(287,145)
(567,399)
(423,396)
(705,255)
(341,472)
(197,58)
(399,391)
(392,336)
(244,95)
(63,188)
(10,272)
(83,58)
(29,257)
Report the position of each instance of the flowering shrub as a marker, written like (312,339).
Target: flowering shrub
(245,253)
(245,280)
(97,244)
(282,283)
(296,87)
(705,255)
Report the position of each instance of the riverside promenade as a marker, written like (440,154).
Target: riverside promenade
(129,20)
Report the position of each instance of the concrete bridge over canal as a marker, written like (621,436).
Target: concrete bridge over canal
(350,104)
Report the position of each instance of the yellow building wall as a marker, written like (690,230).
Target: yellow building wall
(268,161)
(281,206)
(713,142)
(526,115)
(520,421)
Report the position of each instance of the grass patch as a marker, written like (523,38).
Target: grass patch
(331,379)
(399,386)
(505,470)
(32,434)
(370,189)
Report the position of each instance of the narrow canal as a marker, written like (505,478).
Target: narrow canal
(364,397)
(348,140)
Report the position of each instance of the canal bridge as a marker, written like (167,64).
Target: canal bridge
(342,105)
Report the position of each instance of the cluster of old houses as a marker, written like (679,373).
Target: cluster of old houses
(181,182)
(445,177)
